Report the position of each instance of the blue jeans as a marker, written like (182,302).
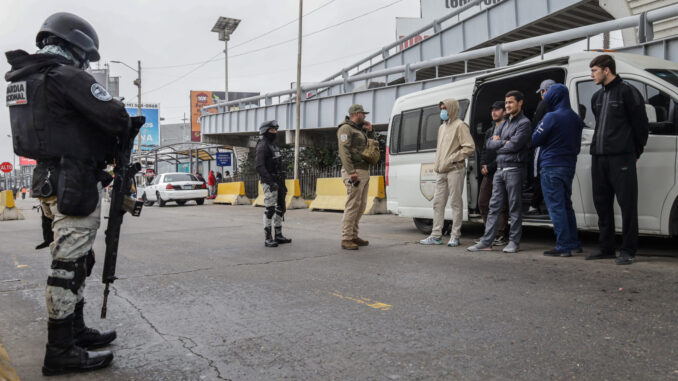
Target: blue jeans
(556,184)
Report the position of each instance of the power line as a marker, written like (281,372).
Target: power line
(271,46)
(245,42)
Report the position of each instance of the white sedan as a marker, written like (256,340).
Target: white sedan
(175,186)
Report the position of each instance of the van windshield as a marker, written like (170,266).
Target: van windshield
(670,76)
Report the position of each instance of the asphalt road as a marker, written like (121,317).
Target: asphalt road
(200,298)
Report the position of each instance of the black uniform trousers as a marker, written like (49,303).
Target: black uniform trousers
(615,175)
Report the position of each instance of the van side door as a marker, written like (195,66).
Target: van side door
(656,168)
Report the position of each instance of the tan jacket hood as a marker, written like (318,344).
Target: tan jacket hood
(455,143)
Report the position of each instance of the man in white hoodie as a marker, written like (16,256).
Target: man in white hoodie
(454,145)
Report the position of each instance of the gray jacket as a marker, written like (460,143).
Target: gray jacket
(513,148)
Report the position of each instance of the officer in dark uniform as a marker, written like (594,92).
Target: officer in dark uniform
(270,168)
(64,119)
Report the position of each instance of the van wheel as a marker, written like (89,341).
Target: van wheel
(161,202)
(425,225)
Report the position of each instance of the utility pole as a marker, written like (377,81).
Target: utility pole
(226,69)
(297,132)
(138,83)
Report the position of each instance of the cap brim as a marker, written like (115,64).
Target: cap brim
(538,91)
(366,112)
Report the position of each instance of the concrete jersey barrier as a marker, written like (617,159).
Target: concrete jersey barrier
(8,210)
(231,193)
(331,195)
(293,199)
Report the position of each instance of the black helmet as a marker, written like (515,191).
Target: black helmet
(267,125)
(73,29)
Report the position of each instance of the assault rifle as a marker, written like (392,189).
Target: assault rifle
(121,202)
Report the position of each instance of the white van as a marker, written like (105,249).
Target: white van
(415,120)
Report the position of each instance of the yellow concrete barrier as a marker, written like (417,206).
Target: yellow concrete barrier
(231,193)
(293,199)
(8,210)
(331,195)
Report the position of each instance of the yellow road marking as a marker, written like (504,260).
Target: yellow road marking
(17,265)
(7,372)
(365,301)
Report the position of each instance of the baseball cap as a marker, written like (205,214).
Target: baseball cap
(545,84)
(498,104)
(356,108)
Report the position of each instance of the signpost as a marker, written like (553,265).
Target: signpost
(6,167)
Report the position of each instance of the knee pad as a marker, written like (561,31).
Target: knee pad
(79,270)
(270,211)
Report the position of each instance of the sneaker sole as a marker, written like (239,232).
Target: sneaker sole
(57,372)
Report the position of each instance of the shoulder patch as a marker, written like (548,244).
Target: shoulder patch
(17,94)
(100,93)
(343,138)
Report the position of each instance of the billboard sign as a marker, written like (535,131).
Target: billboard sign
(150,132)
(202,98)
(26,161)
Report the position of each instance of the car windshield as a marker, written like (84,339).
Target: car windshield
(670,76)
(179,177)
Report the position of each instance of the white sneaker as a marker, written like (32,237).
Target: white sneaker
(431,241)
(454,242)
(512,247)
(479,247)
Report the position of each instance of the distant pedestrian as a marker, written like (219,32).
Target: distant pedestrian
(619,139)
(220,178)
(454,145)
(227,177)
(488,166)
(212,183)
(23,193)
(558,137)
(511,143)
(352,136)
(199,177)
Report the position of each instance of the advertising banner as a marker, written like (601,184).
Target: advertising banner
(150,132)
(26,161)
(202,98)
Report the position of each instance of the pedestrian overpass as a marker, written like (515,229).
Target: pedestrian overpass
(511,31)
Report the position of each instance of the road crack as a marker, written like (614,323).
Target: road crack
(185,340)
(141,314)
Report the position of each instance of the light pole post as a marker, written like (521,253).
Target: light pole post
(137,83)
(225,26)
(298,126)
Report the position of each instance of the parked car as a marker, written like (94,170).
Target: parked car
(412,133)
(176,186)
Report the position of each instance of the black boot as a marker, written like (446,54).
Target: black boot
(63,356)
(270,242)
(85,337)
(279,238)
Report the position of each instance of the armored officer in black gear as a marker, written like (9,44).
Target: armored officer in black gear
(272,176)
(64,119)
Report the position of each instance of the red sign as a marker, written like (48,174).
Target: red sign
(27,161)
(6,167)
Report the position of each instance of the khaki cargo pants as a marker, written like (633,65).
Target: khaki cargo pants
(356,202)
(73,239)
(449,185)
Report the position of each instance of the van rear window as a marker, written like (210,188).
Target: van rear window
(670,76)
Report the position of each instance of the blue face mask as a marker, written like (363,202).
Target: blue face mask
(443,115)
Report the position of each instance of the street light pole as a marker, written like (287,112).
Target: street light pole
(138,83)
(225,26)
(297,131)
(226,69)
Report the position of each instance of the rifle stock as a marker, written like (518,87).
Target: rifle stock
(121,202)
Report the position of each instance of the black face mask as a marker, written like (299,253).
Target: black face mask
(269,136)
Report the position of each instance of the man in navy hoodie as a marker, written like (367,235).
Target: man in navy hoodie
(559,136)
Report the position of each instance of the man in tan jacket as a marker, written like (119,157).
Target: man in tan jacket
(454,145)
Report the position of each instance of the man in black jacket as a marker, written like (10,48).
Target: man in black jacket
(488,166)
(618,141)
(67,121)
(272,175)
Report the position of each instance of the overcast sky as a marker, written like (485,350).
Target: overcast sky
(176,32)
